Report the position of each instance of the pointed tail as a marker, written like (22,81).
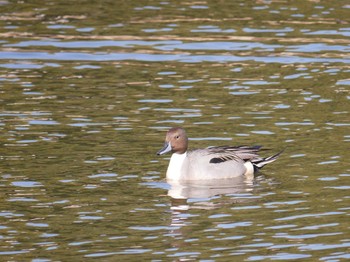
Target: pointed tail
(261,162)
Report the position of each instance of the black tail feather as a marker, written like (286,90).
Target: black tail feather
(261,162)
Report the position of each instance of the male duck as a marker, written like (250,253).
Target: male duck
(221,162)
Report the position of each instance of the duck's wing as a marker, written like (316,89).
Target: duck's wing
(221,154)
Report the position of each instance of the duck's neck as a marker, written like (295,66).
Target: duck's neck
(175,166)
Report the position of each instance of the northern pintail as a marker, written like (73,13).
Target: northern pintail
(221,162)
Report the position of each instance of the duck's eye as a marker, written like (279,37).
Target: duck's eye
(177,137)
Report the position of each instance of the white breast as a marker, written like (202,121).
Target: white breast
(175,166)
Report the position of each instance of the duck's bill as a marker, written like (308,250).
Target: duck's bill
(165,149)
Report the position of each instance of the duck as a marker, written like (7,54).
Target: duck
(211,163)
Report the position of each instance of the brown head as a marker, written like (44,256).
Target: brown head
(176,141)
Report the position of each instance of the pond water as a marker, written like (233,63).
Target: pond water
(89,88)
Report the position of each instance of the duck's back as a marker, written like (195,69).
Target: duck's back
(203,164)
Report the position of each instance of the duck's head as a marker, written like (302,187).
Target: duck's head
(176,141)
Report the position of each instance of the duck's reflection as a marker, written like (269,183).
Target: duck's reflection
(210,188)
(209,195)
(186,197)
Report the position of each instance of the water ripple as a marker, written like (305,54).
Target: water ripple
(77,56)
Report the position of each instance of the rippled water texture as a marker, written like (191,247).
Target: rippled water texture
(88,89)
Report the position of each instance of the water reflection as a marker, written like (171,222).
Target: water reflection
(207,195)
(207,189)
(184,58)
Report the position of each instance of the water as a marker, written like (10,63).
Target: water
(88,90)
